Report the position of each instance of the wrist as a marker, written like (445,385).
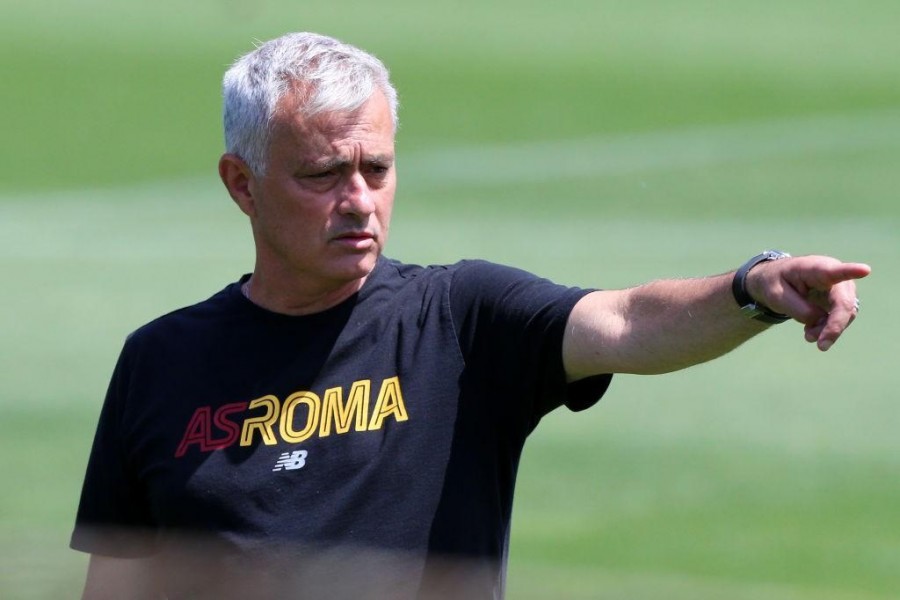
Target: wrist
(745,300)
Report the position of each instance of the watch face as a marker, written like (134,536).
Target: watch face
(751,311)
(758,313)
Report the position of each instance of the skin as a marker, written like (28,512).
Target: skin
(668,325)
(111,578)
(320,216)
(320,213)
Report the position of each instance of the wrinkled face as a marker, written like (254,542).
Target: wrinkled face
(321,211)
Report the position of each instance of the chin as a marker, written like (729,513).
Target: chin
(356,267)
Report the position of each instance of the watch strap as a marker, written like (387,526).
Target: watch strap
(749,306)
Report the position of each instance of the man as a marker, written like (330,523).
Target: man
(337,424)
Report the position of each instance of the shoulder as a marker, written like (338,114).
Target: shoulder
(464,278)
(390,270)
(206,314)
(483,282)
(393,276)
(465,271)
(470,281)
(490,274)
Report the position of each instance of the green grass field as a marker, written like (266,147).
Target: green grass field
(598,143)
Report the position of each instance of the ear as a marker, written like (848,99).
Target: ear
(239,181)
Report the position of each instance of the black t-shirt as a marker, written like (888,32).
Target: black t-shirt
(372,447)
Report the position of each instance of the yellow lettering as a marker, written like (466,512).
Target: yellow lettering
(312,402)
(356,410)
(322,414)
(390,402)
(263,423)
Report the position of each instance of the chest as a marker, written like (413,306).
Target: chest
(309,440)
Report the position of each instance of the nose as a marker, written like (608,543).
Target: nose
(356,197)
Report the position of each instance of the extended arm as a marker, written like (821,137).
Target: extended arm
(672,324)
(110,578)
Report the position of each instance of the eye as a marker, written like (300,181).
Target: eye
(321,174)
(378,168)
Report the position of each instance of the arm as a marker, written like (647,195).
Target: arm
(110,578)
(672,324)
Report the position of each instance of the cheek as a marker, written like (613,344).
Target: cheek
(293,224)
(386,208)
(385,203)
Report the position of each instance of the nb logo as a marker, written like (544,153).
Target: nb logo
(291,461)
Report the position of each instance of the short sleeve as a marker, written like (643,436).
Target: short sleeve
(510,324)
(113,518)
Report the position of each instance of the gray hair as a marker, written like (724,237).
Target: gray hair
(331,75)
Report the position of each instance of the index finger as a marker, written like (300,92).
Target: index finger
(839,272)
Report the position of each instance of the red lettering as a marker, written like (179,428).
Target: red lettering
(230,427)
(199,429)
(197,432)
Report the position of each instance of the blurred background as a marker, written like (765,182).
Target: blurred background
(599,143)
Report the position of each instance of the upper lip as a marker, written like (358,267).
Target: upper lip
(355,234)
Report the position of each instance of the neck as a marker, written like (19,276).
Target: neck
(296,299)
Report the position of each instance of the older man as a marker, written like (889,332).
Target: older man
(338,424)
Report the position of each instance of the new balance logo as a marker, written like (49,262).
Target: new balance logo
(291,461)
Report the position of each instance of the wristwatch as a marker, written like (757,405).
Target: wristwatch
(750,307)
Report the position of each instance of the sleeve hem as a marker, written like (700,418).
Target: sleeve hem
(585,393)
(134,543)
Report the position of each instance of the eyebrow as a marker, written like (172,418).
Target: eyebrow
(339,162)
(325,164)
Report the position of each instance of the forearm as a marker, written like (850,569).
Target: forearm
(657,327)
(672,324)
(110,578)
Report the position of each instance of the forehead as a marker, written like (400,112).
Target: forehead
(369,127)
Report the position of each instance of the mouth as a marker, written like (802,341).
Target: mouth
(361,240)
